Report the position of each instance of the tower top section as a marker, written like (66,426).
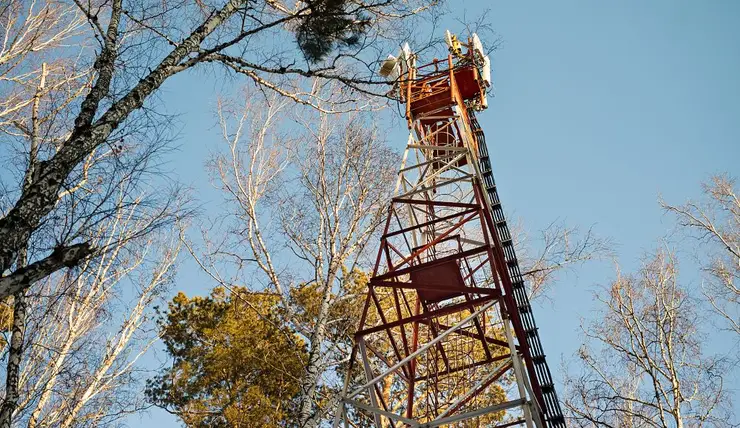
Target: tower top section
(463,78)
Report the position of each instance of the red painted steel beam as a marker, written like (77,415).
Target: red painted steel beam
(416,286)
(431,222)
(427,315)
(465,367)
(404,271)
(436,240)
(434,203)
(488,339)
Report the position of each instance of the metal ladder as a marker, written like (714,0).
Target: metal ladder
(552,411)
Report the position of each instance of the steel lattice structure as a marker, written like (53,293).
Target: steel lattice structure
(447,336)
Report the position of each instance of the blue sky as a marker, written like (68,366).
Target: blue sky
(600,108)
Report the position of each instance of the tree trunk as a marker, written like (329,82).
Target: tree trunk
(306,418)
(15,355)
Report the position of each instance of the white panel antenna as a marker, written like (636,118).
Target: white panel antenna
(405,52)
(486,71)
(478,46)
(448,39)
(405,58)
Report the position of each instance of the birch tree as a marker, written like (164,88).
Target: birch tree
(644,362)
(33,33)
(44,78)
(87,328)
(715,224)
(304,205)
(38,84)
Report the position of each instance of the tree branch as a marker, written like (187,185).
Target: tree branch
(68,256)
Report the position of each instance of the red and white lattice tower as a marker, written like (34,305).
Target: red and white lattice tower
(446,336)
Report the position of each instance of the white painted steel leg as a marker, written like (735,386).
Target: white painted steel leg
(369,375)
(518,372)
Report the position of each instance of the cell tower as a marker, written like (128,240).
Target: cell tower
(447,336)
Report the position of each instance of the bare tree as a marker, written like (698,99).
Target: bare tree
(35,92)
(43,81)
(304,205)
(140,44)
(643,363)
(715,223)
(86,329)
(558,247)
(33,33)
